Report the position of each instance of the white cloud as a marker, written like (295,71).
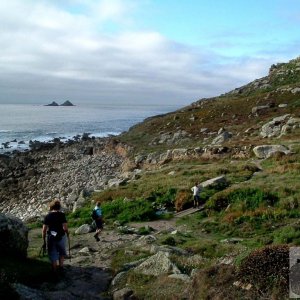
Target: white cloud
(109,10)
(51,51)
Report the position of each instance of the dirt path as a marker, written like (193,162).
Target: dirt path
(87,274)
(166,225)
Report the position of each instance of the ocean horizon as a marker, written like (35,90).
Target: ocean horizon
(20,123)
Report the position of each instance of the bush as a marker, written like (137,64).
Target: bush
(128,211)
(266,267)
(286,235)
(182,200)
(144,230)
(245,199)
(214,282)
(169,241)
(219,201)
(80,217)
(163,199)
(6,289)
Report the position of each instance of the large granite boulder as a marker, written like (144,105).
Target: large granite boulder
(215,181)
(157,265)
(265,151)
(13,236)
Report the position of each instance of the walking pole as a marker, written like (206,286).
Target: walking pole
(69,247)
(43,250)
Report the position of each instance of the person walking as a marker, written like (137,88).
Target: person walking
(55,229)
(196,198)
(97,212)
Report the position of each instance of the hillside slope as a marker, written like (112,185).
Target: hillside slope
(237,246)
(241,112)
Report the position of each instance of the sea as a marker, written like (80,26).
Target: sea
(20,123)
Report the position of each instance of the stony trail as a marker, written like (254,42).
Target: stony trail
(87,273)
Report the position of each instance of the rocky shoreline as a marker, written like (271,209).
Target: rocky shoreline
(67,171)
(71,171)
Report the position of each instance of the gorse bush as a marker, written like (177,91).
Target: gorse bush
(6,290)
(287,235)
(169,241)
(182,200)
(163,199)
(80,217)
(241,199)
(128,211)
(265,266)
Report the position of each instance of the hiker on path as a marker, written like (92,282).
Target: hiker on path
(98,220)
(196,198)
(55,229)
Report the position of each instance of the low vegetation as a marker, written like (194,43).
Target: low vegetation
(250,222)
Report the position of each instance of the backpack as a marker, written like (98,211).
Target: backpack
(94,215)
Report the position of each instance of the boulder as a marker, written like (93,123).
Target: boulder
(13,236)
(179,153)
(83,229)
(123,294)
(214,181)
(265,151)
(282,105)
(221,138)
(257,109)
(118,278)
(295,90)
(157,265)
(182,277)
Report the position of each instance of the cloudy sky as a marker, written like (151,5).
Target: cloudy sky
(140,51)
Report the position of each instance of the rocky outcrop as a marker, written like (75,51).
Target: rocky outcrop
(280,72)
(158,158)
(67,103)
(171,138)
(273,128)
(53,103)
(281,125)
(291,125)
(13,236)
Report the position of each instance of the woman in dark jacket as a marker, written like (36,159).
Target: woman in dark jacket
(56,229)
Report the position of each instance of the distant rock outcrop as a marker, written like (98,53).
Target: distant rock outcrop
(66,103)
(52,104)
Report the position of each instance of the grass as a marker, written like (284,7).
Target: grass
(152,288)
(263,209)
(122,256)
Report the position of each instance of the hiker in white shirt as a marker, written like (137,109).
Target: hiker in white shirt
(196,190)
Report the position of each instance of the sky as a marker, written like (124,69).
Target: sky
(140,51)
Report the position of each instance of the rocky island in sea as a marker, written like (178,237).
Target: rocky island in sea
(66,103)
